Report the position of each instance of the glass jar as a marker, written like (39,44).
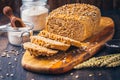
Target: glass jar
(35,12)
(19,35)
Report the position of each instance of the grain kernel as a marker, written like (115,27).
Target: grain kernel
(91,75)
(77,76)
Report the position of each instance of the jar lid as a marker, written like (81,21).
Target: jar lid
(35,3)
(7,28)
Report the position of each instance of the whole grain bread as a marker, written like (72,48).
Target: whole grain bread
(62,39)
(46,42)
(37,50)
(76,21)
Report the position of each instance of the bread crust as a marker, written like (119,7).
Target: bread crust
(37,50)
(59,38)
(76,21)
(46,42)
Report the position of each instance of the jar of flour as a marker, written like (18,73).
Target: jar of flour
(35,12)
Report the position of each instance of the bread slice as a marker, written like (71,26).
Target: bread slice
(46,42)
(37,50)
(62,39)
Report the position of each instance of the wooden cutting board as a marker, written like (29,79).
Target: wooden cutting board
(65,61)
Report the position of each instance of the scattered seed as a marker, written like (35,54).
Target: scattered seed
(12,66)
(99,74)
(15,59)
(8,56)
(90,50)
(11,75)
(71,74)
(1,77)
(77,76)
(17,53)
(90,75)
(3,54)
(7,74)
(32,79)
(9,63)
(63,60)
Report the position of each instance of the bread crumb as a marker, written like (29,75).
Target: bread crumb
(15,59)
(11,75)
(9,63)
(1,77)
(32,79)
(77,76)
(3,54)
(71,74)
(7,55)
(99,74)
(12,66)
(91,75)
(7,74)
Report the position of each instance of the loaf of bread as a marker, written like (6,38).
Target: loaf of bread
(62,39)
(76,21)
(46,42)
(37,50)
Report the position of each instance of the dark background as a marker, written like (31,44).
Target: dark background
(102,4)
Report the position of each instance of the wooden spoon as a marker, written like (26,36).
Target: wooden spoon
(15,21)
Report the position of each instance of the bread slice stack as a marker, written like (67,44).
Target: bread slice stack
(48,44)
(62,39)
(37,50)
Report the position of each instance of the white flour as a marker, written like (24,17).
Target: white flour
(15,38)
(36,15)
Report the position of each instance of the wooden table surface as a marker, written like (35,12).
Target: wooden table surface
(11,69)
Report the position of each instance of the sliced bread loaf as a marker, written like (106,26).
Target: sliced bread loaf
(37,50)
(76,21)
(46,42)
(62,39)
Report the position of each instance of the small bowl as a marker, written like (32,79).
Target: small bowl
(113,46)
(17,36)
